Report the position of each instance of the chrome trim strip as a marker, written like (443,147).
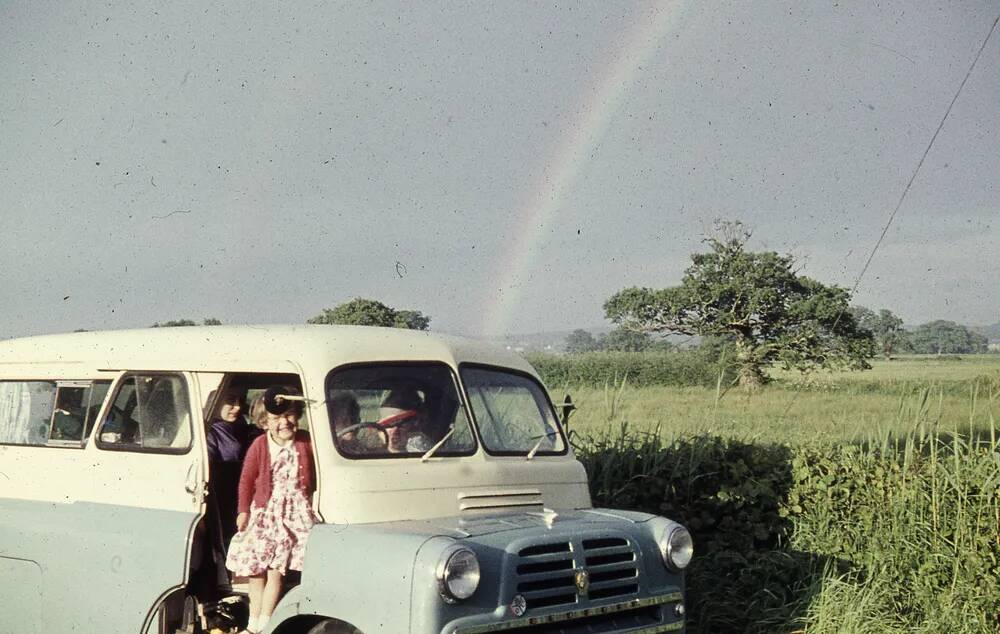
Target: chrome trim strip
(579,614)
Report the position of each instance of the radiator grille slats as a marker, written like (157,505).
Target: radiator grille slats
(612,566)
(545,574)
(547,571)
(608,577)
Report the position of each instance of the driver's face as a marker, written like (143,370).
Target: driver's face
(397,438)
(399,434)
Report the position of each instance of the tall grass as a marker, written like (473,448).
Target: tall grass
(893,530)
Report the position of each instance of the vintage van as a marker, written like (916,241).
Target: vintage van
(480,522)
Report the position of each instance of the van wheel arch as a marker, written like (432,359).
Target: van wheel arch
(315,625)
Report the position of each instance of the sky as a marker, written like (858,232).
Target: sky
(501,167)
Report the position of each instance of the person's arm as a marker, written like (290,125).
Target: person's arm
(248,481)
(212,443)
(308,475)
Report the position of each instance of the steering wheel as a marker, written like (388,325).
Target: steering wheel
(358,427)
(362,439)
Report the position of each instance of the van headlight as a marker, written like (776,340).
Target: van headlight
(677,548)
(457,574)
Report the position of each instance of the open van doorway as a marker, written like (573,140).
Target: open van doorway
(230,429)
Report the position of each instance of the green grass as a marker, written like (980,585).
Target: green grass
(904,373)
(865,502)
(893,398)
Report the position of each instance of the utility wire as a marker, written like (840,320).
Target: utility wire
(909,184)
(906,189)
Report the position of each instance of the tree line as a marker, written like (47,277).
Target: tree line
(356,312)
(761,312)
(753,306)
(934,337)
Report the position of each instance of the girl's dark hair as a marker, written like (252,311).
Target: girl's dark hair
(275,404)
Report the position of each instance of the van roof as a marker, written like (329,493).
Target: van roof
(237,346)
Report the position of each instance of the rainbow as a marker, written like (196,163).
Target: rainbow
(604,98)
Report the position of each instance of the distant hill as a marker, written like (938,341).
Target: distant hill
(553,341)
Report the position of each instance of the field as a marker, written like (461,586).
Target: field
(895,397)
(850,502)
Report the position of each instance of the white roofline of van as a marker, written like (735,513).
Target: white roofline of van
(235,347)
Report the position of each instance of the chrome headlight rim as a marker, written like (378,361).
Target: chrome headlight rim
(669,548)
(442,571)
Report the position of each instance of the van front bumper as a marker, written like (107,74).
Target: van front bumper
(650,615)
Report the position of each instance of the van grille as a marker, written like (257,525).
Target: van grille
(546,572)
(612,567)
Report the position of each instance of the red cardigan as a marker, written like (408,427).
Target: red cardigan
(255,480)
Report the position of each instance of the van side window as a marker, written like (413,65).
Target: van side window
(149,413)
(77,404)
(98,392)
(26,411)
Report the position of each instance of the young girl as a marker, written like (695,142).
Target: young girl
(275,514)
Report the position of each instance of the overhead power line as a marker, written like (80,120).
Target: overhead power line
(913,177)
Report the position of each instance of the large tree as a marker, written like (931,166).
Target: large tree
(579,341)
(758,301)
(369,312)
(626,340)
(173,323)
(412,319)
(945,337)
(885,326)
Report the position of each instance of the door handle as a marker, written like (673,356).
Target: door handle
(191,479)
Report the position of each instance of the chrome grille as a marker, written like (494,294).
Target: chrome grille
(546,572)
(612,567)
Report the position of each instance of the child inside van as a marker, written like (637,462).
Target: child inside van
(275,513)
(258,414)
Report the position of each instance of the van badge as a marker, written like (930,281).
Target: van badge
(518,605)
(582,579)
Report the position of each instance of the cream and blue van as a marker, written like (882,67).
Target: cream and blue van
(110,508)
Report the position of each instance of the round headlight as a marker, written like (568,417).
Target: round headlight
(677,548)
(457,574)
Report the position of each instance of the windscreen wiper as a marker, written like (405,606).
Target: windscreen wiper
(430,452)
(541,439)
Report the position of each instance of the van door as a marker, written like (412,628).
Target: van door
(132,539)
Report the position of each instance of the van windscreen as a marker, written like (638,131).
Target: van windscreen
(398,411)
(512,413)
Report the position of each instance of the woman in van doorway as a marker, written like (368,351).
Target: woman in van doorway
(275,514)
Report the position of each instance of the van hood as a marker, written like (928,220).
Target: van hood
(460,528)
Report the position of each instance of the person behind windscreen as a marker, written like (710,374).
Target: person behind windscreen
(402,416)
(275,512)
(345,416)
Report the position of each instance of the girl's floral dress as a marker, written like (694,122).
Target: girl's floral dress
(275,537)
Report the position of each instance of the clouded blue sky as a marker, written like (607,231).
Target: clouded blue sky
(520,161)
